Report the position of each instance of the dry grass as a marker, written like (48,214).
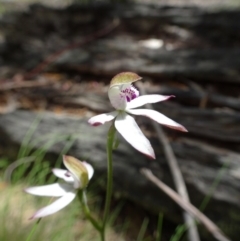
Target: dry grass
(69,224)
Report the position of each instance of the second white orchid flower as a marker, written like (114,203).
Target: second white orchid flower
(76,177)
(125,98)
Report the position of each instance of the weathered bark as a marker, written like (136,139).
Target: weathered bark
(193,41)
(199,162)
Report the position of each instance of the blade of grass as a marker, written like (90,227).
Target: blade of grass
(125,227)
(44,171)
(213,187)
(143,229)
(159,227)
(28,136)
(40,154)
(3,162)
(36,156)
(52,136)
(9,170)
(20,171)
(29,237)
(115,214)
(180,230)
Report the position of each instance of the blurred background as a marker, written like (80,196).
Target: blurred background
(57,58)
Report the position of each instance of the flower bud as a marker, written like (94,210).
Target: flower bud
(78,169)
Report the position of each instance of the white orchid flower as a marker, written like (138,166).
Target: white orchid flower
(76,177)
(125,98)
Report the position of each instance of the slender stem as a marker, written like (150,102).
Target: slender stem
(110,141)
(83,199)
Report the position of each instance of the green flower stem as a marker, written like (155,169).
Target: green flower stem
(83,199)
(110,142)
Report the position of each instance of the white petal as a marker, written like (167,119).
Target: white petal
(63,174)
(118,99)
(128,128)
(158,117)
(89,169)
(55,206)
(147,99)
(101,119)
(52,190)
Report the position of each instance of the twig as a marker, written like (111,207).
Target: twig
(53,57)
(176,173)
(188,207)
(23,84)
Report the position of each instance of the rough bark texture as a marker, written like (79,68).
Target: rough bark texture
(197,44)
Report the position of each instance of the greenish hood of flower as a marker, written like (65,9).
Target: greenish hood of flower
(77,169)
(124,78)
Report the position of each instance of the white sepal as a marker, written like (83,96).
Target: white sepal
(128,128)
(51,190)
(55,206)
(158,117)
